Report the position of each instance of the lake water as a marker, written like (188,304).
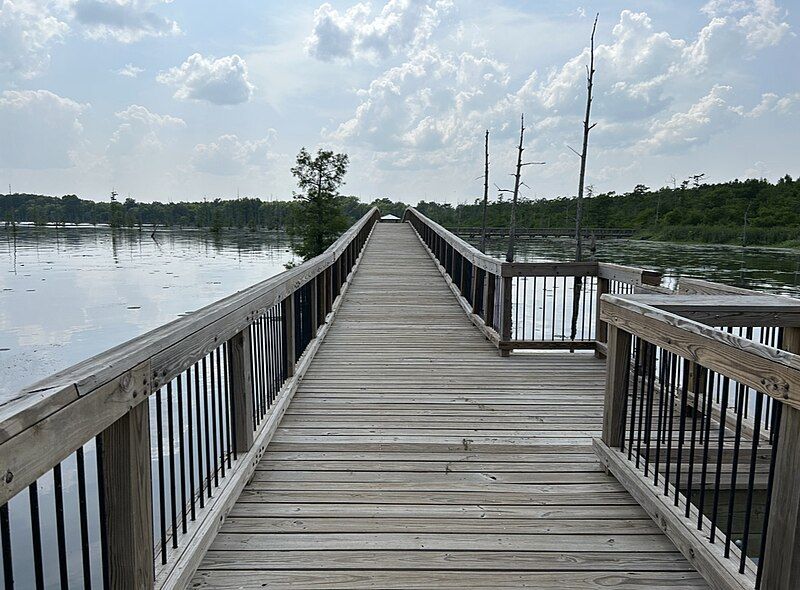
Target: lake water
(774,270)
(69,293)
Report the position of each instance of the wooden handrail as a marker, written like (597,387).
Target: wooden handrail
(490,305)
(690,286)
(654,320)
(467,250)
(104,397)
(775,372)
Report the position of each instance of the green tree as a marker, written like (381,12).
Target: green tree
(318,220)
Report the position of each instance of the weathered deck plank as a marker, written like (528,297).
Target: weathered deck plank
(413,456)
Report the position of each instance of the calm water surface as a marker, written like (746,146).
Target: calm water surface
(69,293)
(775,270)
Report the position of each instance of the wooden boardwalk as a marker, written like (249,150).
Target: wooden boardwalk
(413,456)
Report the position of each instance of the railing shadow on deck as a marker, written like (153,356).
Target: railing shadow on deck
(118,471)
(529,305)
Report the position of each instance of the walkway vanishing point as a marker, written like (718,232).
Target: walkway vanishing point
(406,412)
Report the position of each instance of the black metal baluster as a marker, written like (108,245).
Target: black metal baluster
(698,373)
(632,393)
(269,388)
(199,423)
(673,377)
(737,439)
(215,357)
(190,441)
(721,442)
(564,309)
(212,397)
(228,422)
(36,536)
(181,453)
(661,424)
(61,531)
(555,289)
(172,487)
(709,400)
(162,504)
(649,350)
(206,429)
(5,536)
(533,312)
(751,481)
(681,429)
(83,516)
(651,378)
(257,386)
(775,434)
(101,504)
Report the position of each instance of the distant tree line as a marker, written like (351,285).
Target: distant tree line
(757,211)
(217,213)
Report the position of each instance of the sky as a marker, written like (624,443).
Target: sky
(167,100)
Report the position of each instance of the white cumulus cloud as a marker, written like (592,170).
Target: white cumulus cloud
(434,102)
(129,71)
(140,131)
(27,30)
(40,129)
(222,81)
(229,155)
(401,24)
(126,21)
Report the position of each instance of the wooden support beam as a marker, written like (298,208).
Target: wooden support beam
(617,376)
(125,459)
(781,560)
(488,303)
(505,314)
(727,310)
(241,384)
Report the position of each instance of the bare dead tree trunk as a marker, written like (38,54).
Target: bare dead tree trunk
(517,176)
(576,294)
(485,192)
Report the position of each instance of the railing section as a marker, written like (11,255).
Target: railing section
(118,471)
(702,426)
(529,305)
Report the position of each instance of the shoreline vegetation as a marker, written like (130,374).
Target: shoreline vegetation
(750,212)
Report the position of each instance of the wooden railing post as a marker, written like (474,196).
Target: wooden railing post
(314,306)
(617,380)
(488,299)
(505,314)
(241,383)
(287,311)
(600,327)
(781,560)
(125,459)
